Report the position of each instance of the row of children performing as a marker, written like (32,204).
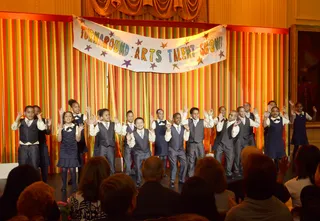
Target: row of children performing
(233,134)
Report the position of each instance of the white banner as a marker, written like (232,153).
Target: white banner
(143,54)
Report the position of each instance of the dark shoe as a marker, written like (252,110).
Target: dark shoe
(181,182)
(237,175)
(70,182)
(172,184)
(63,190)
(165,175)
(138,185)
(230,177)
(74,190)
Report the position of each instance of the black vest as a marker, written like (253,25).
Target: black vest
(129,130)
(142,145)
(196,133)
(29,134)
(160,132)
(225,135)
(245,129)
(78,120)
(176,141)
(106,137)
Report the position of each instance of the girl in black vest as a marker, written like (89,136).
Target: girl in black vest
(299,119)
(69,134)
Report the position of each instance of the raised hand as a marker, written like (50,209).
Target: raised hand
(60,127)
(211,112)
(266,114)
(255,111)
(151,118)
(168,126)
(314,109)
(92,120)
(88,110)
(39,116)
(115,119)
(61,111)
(220,117)
(291,103)
(170,120)
(19,115)
(81,127)
(206,115)
(128,136)
(49,122)
(269,108)
(186,126)
(236,123)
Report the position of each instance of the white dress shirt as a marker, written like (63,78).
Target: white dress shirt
(40,125)
(124,128)
(256,117)
(168,134)
(252,123)
(207,122)
(308,117)
(152,137)
(94,130)
(266,122)
(235,129)
(154,125)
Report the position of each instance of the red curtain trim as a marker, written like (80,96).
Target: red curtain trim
(145,23)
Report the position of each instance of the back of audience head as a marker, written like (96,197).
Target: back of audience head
(259,177)
(317,176)
(197,197)
(152,169)
(213,173)
(182,217)
(35,203)
(246,152)
(306,161)
(95,171)
(18,179)
(118,195)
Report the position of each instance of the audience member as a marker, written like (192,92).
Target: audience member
(182,217)
(213,173)
(259,184)
(18,179)
(155,200)
(118,196)
(85,204)
(310,199)
(237,186)
(306,165)
(37,202)
(197,197)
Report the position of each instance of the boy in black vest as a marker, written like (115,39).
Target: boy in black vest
(43,148)
(176,134)
(227,131)
(129,127)
(253,116)
(104,132)
(161,145)
(28,152)
(140,140)
(245,136)
(195,148)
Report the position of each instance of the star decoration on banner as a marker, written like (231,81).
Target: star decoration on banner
(111,34)
(153,65)
(221,54)
(206,35)
(164,45)
(127,63)
(103,53)
(187,41)
(200,61)
(138,42)
(88,48)
(175,66)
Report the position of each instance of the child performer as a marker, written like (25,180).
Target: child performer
(176,135)
(228,131)
(245,137)
(161,145)
(195,148)
(129,127)
(69,134)
(139,141)
(28,152)
(299,119)
(104,132)
(274,144)
(43,148)
(222,110)
(79,119)
(253,116)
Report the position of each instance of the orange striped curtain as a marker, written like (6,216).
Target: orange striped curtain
(39,66)
(255,71)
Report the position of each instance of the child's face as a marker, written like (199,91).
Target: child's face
(223,111)
(160,115)
(130,117)
(242,112)
(29,113)
(299,108)
(76,108)
(232,116)
(177,119)
(68,118)
(139,124)
(247,107)
(37,110)
(195,114)
(106,116)
(317,176)
(274,112)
